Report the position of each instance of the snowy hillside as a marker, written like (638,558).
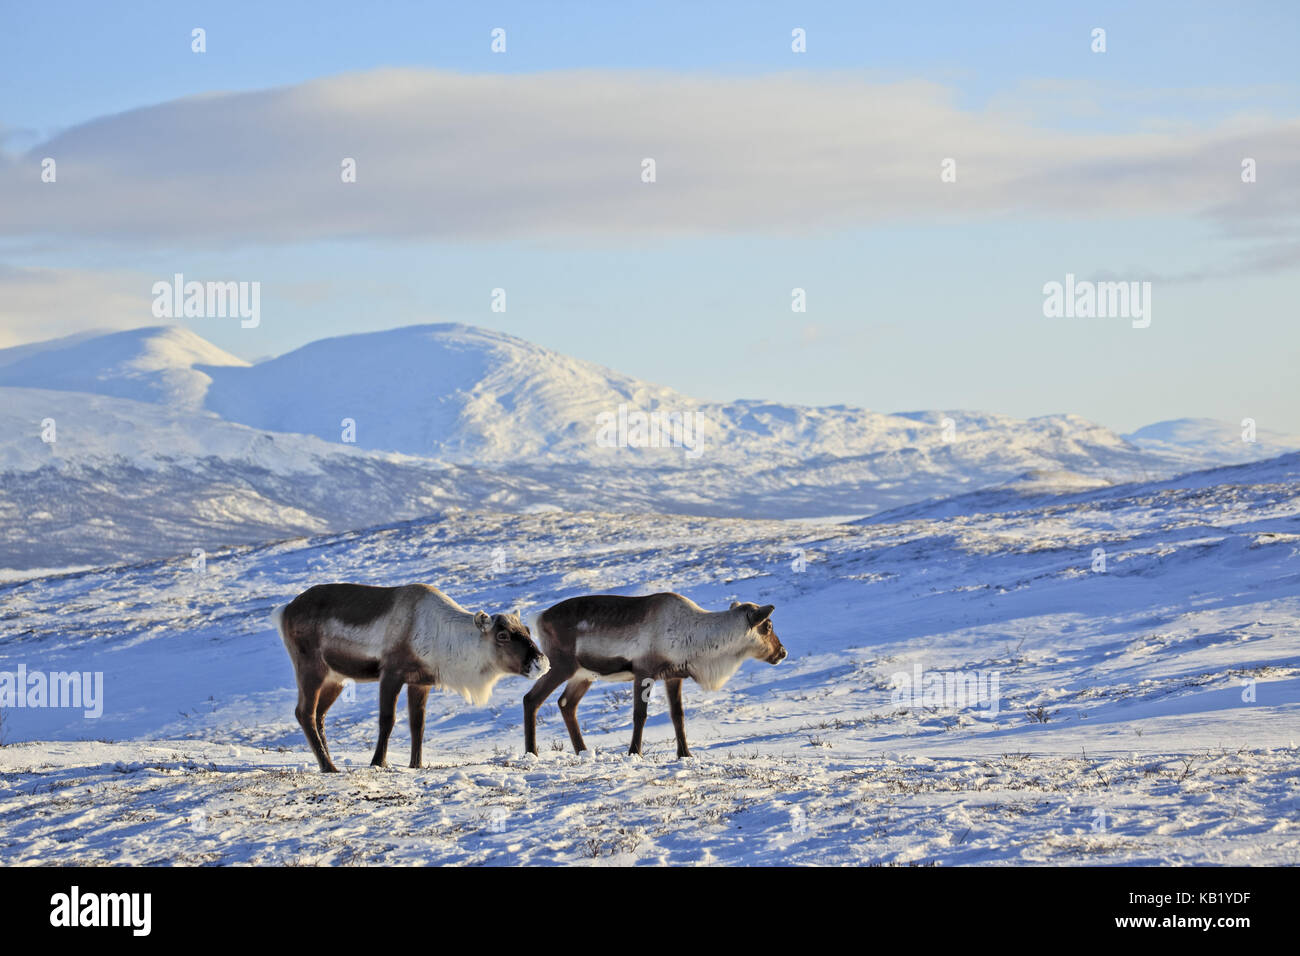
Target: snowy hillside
(447,391)
(162,443)
(1148,707)
(159,364)
(1217,441)
(474,396)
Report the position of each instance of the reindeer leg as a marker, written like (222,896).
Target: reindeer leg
(552,679)
(569,698)
(673,688)
(390,685)
(328,694)
(416,696)
(310,680)
(642,685)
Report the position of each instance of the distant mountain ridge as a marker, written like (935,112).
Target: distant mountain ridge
(478,397)
(160,364)
(164,440)
(1224,442)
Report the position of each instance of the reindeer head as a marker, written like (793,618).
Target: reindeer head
(512,643)
(760,632)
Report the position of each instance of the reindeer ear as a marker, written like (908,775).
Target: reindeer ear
(759,615)
(482,621)
(734,605)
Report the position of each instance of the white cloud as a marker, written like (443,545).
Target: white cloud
(451,156)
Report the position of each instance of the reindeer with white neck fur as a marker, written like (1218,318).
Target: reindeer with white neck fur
(412,635)
(664,637)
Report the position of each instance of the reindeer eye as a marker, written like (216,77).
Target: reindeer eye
(503,636)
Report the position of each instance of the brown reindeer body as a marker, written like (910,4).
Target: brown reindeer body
(658,637)
(413,636)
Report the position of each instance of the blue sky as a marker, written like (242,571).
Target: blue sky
(70,62)
(911,304)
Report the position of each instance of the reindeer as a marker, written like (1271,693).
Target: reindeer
(663,637)
(413,635)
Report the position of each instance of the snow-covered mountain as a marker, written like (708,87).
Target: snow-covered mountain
(451,392)
(158,364)
(473,396)
(164,442)
(1223,442)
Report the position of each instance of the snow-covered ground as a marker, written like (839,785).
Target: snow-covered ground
(1145,639)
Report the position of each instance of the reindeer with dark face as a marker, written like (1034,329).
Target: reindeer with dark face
(663,637)
(412,635)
